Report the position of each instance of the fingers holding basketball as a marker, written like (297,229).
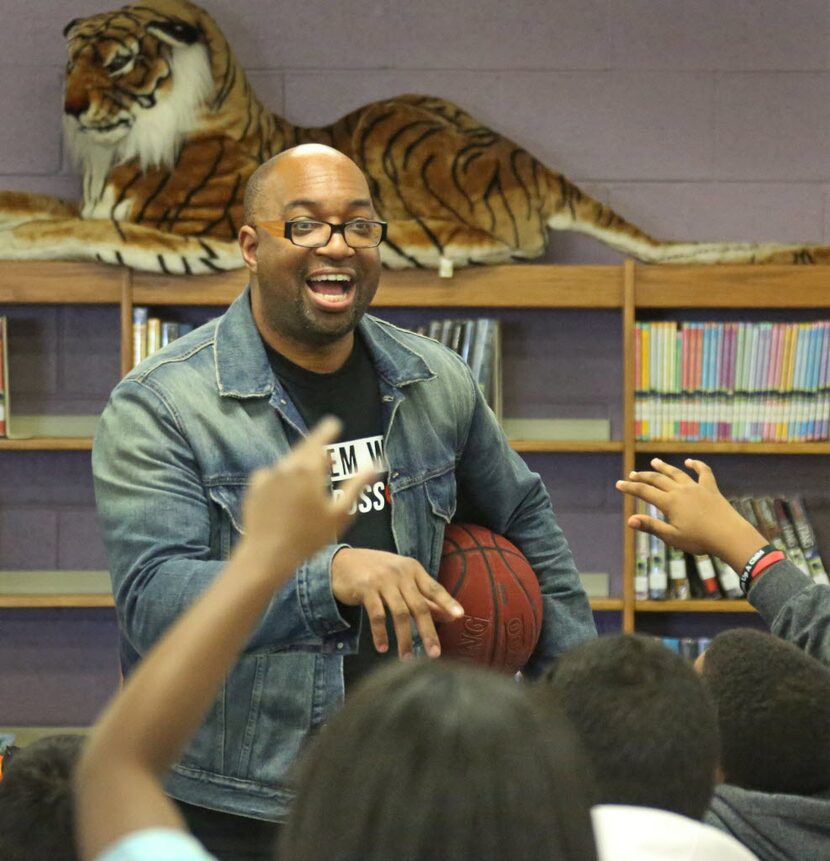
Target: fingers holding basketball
(396,587)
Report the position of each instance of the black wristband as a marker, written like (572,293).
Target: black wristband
(753,566)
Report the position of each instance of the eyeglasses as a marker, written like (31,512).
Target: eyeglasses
(359,233)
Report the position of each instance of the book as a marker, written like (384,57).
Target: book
(793,549)
(807,539)
(4,375)
(678,578)
(140,315)
(728,580)
(767,522)
(707,577)
(641,557)
(658,578)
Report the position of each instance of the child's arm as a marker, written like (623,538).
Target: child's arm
(699,519)
(288,514)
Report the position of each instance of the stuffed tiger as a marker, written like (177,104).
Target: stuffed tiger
(167,130)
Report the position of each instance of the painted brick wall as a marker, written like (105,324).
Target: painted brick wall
(695,120)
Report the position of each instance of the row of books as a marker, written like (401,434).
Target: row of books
(738,381)
(665,573)
(150,334)
(478,342)
(4,375)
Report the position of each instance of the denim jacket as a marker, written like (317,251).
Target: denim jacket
(171,460)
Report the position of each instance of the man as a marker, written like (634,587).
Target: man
(650,731)
(183,432)
(773,705)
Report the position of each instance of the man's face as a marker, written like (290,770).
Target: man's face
(313,296)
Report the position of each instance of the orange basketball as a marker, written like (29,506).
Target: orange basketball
(494,583)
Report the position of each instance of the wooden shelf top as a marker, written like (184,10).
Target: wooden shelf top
(515,286)
(738,605)
(528,446)
(603,604)
(63,443)
(525,446)
(728,286)
(56,601)
(732,447)
(36,282)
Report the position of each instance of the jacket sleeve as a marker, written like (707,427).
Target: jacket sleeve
(522,512)
(795,608)
(161,535)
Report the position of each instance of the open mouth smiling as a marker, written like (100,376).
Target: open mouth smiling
(331,290)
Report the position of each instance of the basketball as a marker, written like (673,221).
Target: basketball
(494,583)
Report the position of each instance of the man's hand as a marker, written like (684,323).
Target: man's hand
(699,519)
(289,512)
(379,581)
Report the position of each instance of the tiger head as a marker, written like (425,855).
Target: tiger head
(137,80)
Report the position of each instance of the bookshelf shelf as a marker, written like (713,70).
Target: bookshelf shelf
(732,287)
(85,444)
(780,448)
(73,600)
(606,604)
(518,286)
(694,606)
(47,444)
(34,283)
(565,446)
(55,601)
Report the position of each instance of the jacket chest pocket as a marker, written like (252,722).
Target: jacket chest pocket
(226,515)
(441,498)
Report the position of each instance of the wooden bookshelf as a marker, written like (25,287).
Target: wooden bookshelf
(54,601)
(35,283)
(631,288)
(601,605)
(517,286)
(527,446)
(739,605)
(63,443)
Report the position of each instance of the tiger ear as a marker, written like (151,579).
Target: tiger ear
(73,23)
(174,32)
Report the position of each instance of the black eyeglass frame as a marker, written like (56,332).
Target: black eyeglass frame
(288,226)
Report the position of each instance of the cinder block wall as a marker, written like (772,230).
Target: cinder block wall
(699,120)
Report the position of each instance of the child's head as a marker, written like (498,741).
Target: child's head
(36,811)
(434,759)
(773,705)
(645,721)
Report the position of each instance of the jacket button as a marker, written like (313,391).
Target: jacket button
(340,646)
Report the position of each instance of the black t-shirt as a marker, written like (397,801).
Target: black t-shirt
(352,395)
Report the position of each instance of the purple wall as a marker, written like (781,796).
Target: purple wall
(697,120)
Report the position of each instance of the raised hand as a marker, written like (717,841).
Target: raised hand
(289,511)
(699,519)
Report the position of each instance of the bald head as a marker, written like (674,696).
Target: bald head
(295,168)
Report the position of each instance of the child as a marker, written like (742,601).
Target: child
(699,519)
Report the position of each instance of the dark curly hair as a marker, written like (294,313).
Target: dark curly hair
(773,704)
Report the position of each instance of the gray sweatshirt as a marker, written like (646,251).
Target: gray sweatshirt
(795,608)
(774,827)
(783,827)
